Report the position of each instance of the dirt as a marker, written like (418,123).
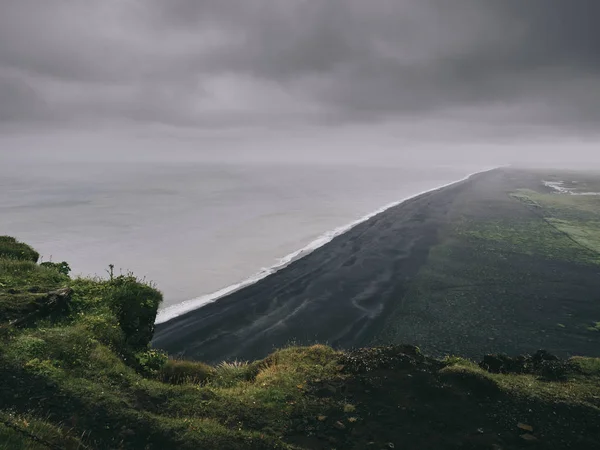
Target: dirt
(402,400)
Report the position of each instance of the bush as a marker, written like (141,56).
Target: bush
(135,304)
(61,267)
(10,248)
(182,371)
(104,327)
(151,361)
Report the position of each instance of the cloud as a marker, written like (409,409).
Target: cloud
(225,63)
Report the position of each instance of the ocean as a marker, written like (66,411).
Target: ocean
(195,229)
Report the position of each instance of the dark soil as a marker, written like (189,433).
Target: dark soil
(404,401)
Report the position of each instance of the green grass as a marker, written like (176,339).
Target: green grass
(578,389)
(502,254)
(92,368)
(18,432)
(10,248)
(594,327)
(577,217)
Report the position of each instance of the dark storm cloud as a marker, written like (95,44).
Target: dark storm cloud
(218,63)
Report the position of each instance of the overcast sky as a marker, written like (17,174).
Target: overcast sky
(386,73)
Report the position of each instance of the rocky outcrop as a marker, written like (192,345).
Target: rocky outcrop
(540,363)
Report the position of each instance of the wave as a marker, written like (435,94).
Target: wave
(173,311)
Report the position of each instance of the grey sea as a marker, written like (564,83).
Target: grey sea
(193,228)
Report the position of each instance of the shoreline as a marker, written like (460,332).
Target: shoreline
(187,306)
(342,294)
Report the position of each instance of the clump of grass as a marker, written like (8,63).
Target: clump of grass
(10,248)
(588,366)
(22,275)
(229,373)
(470,376)
(179,371)
(594,327)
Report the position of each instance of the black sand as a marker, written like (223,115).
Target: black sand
(354,291)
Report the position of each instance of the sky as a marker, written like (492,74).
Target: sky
(490,80)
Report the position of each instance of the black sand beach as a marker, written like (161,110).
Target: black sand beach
(419,273)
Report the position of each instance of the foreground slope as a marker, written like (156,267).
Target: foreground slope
(76,372)
(500,262)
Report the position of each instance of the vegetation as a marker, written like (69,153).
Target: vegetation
(514,269)
(85,377)
(10,248)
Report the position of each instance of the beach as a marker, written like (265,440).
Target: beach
(337,294)
(421,273)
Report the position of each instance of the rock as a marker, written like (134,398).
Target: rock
(542,355)
(322,418)
(540,363)
(525,427)
(500,363)
(528,437)
(339,425)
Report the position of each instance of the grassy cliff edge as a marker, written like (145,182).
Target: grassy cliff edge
(77,372)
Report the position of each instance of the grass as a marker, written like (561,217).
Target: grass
(518,266)
(582,386)
(91,368)
(577,217)
(10,248)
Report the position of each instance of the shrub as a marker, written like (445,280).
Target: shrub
(61,267)
(10,248)
(135,304)
(104,327)
(151,361)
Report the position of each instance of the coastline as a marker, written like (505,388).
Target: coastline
(172,312)
(341,294)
